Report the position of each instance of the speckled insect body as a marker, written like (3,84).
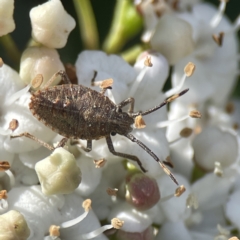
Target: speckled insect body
(75,111)
(78,112)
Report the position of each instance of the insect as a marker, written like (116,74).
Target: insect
(78,112)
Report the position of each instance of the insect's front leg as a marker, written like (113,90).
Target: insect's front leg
(126,102)
(124,155)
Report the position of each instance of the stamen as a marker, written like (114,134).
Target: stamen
(138,81)
(147,62)
(188,72)
(218,17)
(139,122)
(112,191)
(99,163)
(54,231)
(37,81)
(11,178)
(3,200)
(87,206)
(195,114)
(184,133)
(218,38)
(13,125)
(4,166)
(17,95)
(179,191)
(115,223)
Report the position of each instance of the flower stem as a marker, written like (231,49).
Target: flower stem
(132,53)
(126,24)
(87,23)
(11,49)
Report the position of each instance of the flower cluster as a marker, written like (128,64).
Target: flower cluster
(160,172)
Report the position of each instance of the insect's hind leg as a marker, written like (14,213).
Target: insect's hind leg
(62,143)
(124,155)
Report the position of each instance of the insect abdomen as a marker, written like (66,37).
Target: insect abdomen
(73,111)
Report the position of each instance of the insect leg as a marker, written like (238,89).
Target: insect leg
(104,84)
(28,135)
(165,102)
(124,155)
(126,102)
(60,73)
(86,149)
(152,154)
(62,143)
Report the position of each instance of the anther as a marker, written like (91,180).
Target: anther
(112,191)
(148,62)
(13,125)
(37,81)
(189,69)
(195,114)
(218,38)
(4,166)
(139,122)
(179,191)
(99,163)
(54,231)
(115,223)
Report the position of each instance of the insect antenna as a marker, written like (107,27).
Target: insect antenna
(153,155)
(165,102)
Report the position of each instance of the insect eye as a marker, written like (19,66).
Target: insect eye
(113,133)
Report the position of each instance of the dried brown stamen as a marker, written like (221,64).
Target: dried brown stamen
(4,166)
(13,125)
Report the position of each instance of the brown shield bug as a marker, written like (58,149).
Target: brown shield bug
(78,112)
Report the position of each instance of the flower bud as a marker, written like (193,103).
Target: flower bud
(6,17)
(172,38)
(51,24)
(13,226)
(58,173)
(40,60)
(142,191)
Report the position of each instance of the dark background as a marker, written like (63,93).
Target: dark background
(103,10)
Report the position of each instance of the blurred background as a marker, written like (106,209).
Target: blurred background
(103,10)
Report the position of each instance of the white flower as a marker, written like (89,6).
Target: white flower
(173,38)
(51,24)
(6,17)
(214,144)
(40,60)
(213,78)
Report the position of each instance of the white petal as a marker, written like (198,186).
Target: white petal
(134,221)
(6,17)
(174,230)
(51,24)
